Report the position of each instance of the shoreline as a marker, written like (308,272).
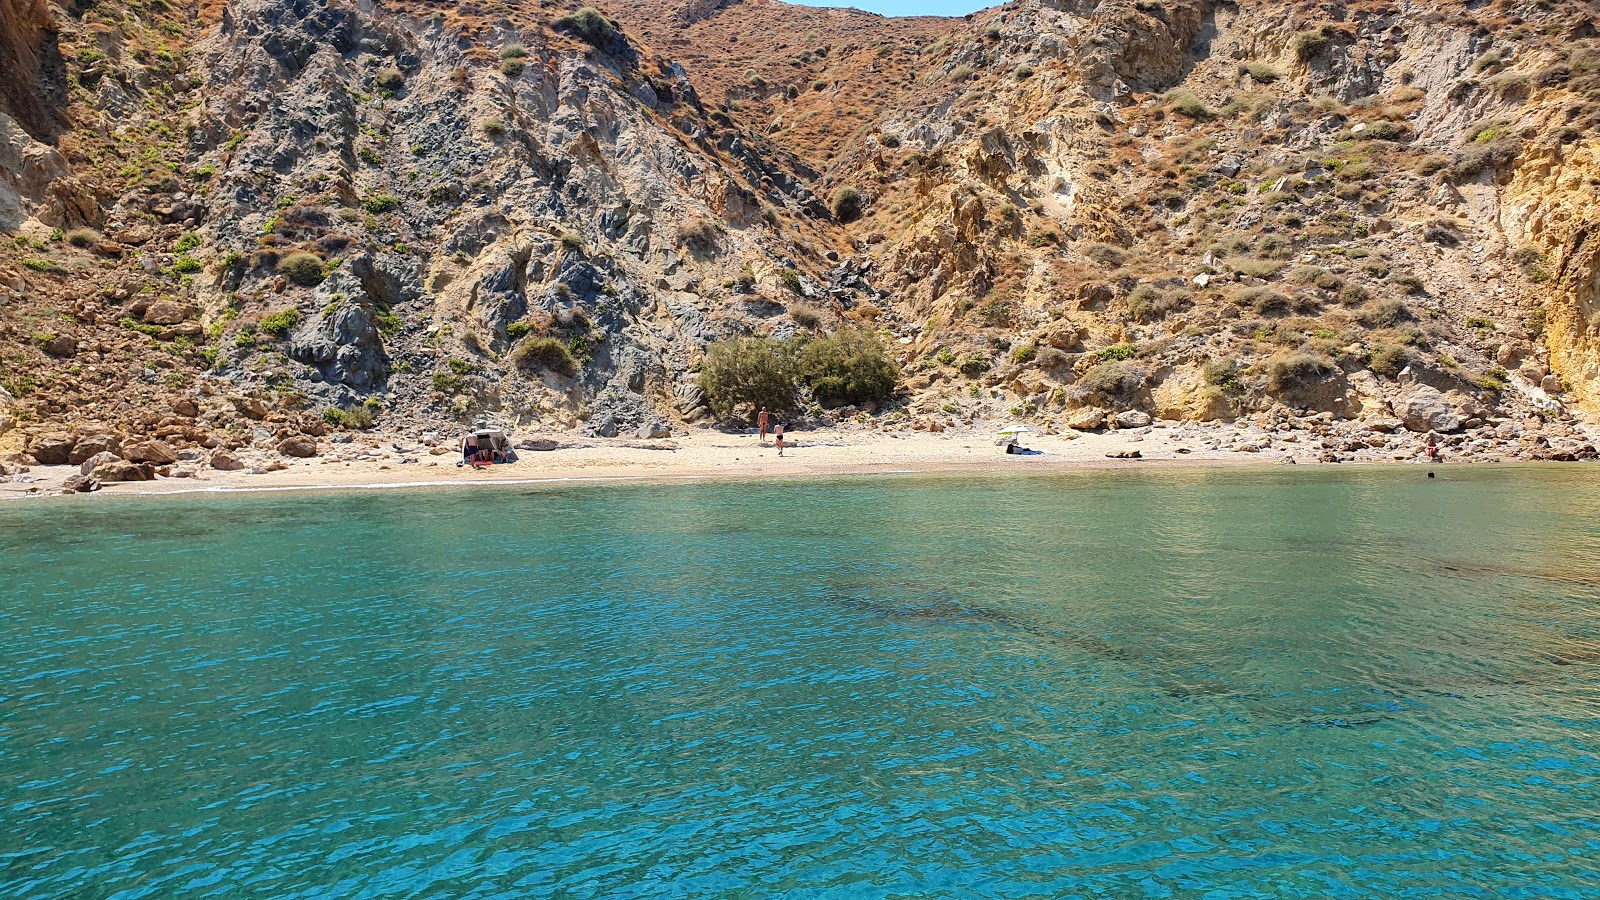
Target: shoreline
(393,463)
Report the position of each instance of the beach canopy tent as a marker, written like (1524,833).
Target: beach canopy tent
(493,444)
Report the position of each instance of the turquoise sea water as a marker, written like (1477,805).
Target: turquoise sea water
(1225,683)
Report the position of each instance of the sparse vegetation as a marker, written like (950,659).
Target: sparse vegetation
(390,79)
(380,203)
(545,353)
(1261,72)
(1186,102)
(805,315)
(847,203)
(1285,373)
(590,24)
(279,323)
(304,269)
(83,237)
(356,417)
(1113,380)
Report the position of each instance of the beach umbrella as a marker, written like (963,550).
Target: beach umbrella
(1016,429)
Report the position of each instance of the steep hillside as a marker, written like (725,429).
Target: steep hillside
(250,222)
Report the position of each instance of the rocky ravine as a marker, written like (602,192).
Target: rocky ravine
(260,224)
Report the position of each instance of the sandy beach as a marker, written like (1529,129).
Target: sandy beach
(393,462)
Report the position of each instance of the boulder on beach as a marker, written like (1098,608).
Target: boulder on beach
(158,453)
(1423,409)
(80,484)
(52,449)
(298,445)
(224,461)
(93,445)
(1086,419)
(123,470)
(96,461)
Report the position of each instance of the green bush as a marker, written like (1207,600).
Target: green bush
(186,265)
(1146,304)
(591,24)
(355,417)
(974,365)
(1185,102)
(805,315)
(790,279)
(279,323)
(518,330)
(390,79)
(545,353)
(454,378)
(1115,379)
(847,367)
(1535,323)
(1386,314)
(43,265)
(186,242)
(83,237)
(135,325)
(847,204)
(513,51)
(1116,352)
(1389,359)
(1286,373)
(1309,45)
(304,269)
(1222,373)
(1104,254)
(756,371)
(1261,72)
(1025,352)
(513,67)
(380,203)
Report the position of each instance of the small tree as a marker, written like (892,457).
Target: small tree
(755,370)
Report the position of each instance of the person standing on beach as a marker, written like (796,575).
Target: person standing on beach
(761,422)
(777,436)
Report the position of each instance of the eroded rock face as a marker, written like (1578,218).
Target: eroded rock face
(345,347)
(31,91)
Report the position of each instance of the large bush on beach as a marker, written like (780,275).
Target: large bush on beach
(848,366)
(754,370)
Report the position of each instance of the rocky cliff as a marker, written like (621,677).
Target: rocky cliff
(247,221)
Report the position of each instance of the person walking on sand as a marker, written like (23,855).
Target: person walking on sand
(761,422)
(777,436)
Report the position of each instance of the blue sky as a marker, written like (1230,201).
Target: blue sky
(907,7)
